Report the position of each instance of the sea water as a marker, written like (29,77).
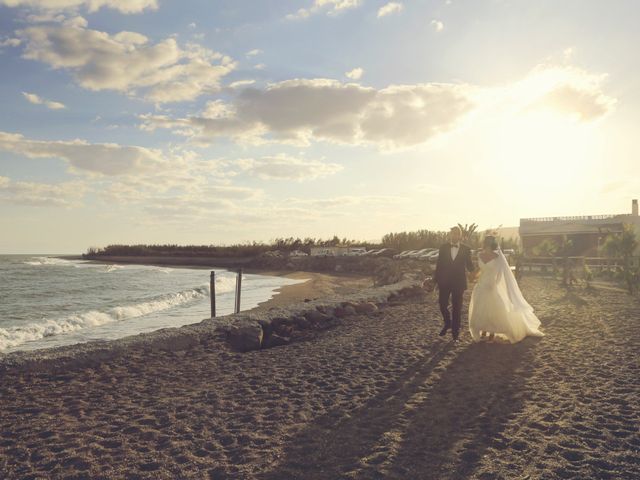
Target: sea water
(47,301)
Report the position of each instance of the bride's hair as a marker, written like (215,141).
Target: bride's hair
(491,242)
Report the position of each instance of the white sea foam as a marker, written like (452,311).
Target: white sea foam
(13,336)
(49,261)
(225,284)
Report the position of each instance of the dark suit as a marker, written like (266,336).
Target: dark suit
(451,278)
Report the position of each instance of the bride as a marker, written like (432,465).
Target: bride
(497,310)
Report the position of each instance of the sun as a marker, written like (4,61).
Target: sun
(541,150)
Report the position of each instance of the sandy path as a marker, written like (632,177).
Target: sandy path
(378,397)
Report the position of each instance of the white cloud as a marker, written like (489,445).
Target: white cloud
(123,6)
(331,7)
(64,194)
(567,90)
(254,52)
(390,8)
(399,116)
(127,61)
(35,99)
(10,42)
(302,110)
(284,167)
(437,25)
(343,201)
(355,74)
(260,66)
(241,83)
(101,158)
(568,52)
(586,104)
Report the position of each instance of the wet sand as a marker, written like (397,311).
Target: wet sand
(381,396)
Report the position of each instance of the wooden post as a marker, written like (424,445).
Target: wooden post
(213,293)
(238,290)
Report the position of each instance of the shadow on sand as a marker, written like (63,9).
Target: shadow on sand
(436,422)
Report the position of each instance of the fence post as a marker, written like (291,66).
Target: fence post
(238,290)
(212,293)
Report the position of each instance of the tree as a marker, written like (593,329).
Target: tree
(564,249)
(623,245)
(547,248)
(468,230)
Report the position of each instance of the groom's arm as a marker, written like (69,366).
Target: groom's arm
(436,275)
(470,266)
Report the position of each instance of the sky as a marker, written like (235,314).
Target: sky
(220,122)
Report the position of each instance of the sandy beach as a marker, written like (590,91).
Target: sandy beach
(380,396)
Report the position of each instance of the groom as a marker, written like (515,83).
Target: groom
(450,276)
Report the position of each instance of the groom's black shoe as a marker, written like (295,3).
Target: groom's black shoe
(443,332)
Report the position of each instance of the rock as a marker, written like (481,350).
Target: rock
(348,304)
(276,340)
(246,336)
(302,323)
(408,292)
(283,330)
(277,321)
(325,309)
(315,316)
(366,308)
(342,312)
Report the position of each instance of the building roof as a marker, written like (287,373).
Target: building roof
(594,224)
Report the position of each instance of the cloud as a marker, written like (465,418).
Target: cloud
(319,109)
(300,111)
(331,7)
(355,74)
(35,99)
(586,104)
(567,90)
(390,8)
(254,52)
(66,194)
(437,25)
(241,83)
(100,158)
(283,167)
(126,62)
(10,42)
(123,6)
(348,201)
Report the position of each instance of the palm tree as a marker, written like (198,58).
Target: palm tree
(468,230)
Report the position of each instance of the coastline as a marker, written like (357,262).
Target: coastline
(317,289)
(317,284)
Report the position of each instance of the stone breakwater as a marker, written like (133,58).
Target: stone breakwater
(243,331)
(278,327)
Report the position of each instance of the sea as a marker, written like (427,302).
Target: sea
(46,301)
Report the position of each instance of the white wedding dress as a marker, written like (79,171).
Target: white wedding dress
(497,305)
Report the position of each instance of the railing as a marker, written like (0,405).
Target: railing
(569,218)
(542,264)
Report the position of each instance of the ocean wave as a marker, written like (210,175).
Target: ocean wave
(225,284)
(14,336)
(48,261)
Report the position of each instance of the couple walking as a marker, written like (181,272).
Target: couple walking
(497,309)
